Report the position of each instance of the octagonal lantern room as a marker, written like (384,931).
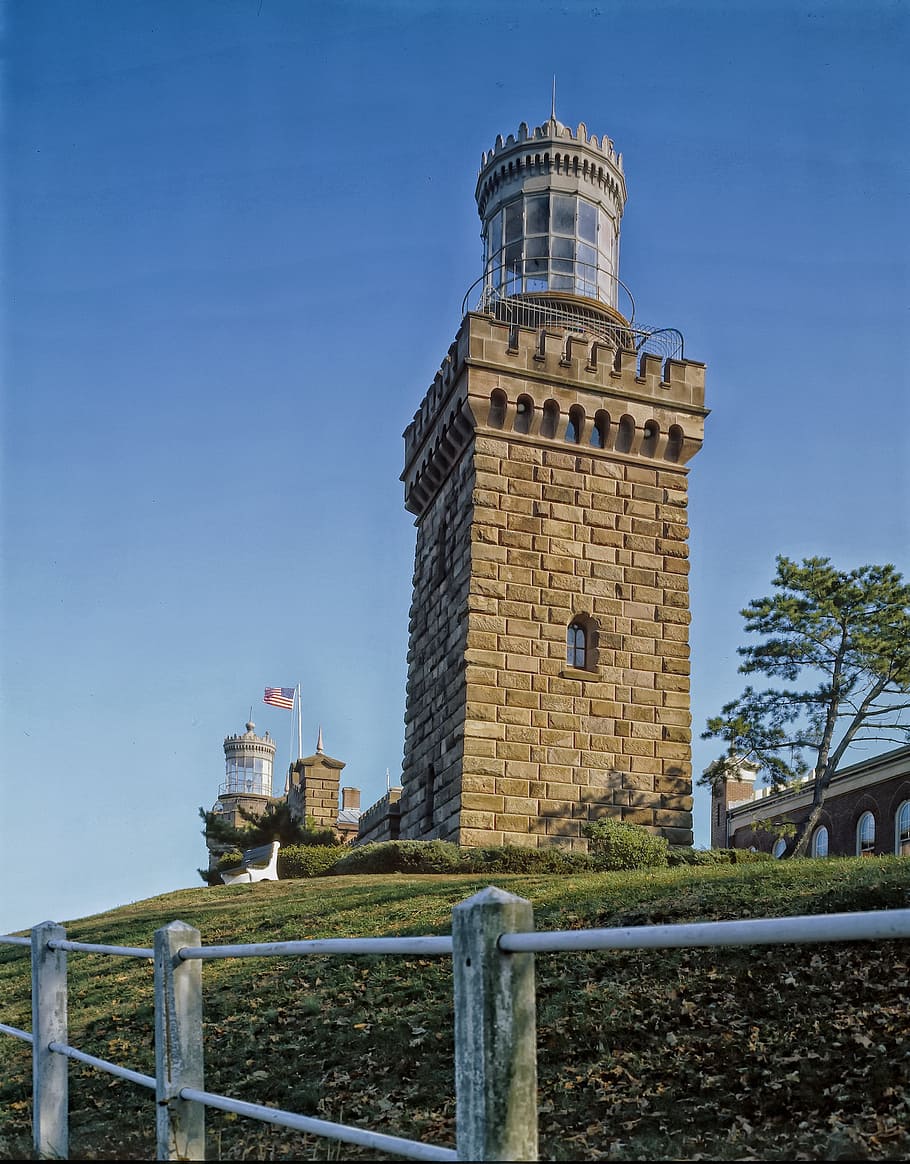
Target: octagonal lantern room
(551,201)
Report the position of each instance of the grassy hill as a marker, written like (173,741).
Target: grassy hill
(769,1053)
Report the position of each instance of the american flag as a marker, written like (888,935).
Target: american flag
(279,697)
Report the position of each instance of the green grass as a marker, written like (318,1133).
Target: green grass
(766,1053)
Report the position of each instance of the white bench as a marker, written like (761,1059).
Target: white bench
(260,864)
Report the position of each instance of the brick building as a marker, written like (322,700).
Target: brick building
(866,811)
(546,467)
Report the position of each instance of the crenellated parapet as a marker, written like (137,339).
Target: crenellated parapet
(558,387)
(555,151)
(553,129)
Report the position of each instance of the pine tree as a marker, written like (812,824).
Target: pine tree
(843,637)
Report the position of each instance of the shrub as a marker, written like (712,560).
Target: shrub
(296,861)
(519,859)
(685,855)
(229,860)
(618,845)
(402,857)
(744,856)
(444,857)
(682,855)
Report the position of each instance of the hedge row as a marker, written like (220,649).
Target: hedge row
(612,846)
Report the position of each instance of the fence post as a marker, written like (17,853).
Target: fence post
(50,1075)
(180,1124)
(495,1030)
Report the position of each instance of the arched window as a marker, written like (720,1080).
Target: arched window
(575,425)
(626,434)
(780,847)
(498,403)
(865,835)
(577,646)
(902,830)
(524,410)
(649,442)
(820,842)
(550,419)
(674,443)
(600,429)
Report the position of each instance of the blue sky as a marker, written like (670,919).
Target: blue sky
(237,239)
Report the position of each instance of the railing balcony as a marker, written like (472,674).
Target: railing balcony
(530,294)
(245,786)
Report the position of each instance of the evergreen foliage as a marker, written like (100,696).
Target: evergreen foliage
(444,857)
(618,845)
(296,861)
(843,639)
(276,823)
(683,855)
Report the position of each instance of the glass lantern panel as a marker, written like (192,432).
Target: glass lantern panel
(564,248)
(537,214)
(513,221)
(563,214)
(495,236)
(587,221)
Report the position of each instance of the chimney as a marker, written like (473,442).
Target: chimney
(350,798)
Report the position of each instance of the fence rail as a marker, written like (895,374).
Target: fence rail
(492,946)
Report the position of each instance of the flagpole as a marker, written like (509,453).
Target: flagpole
(299,727)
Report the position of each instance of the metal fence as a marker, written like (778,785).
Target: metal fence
(492,945)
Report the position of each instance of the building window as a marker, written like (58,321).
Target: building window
(820,842)
(577,646)
(498,404)
(902,830)
(524,410)
(780,847)
(550,419)
(865,835)
(626,434)
(575,425)
(600,430)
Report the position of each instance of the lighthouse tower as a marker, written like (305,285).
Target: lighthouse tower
(248,763)
(546,468)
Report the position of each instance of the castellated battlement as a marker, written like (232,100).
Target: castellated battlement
(551,150)
(243,745)
(560,386)
(550,129)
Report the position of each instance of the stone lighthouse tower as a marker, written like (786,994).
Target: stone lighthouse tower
(548,663)
(248,763)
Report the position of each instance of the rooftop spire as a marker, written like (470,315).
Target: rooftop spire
(553,102)
(319,748)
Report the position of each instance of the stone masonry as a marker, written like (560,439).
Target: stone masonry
(525,526)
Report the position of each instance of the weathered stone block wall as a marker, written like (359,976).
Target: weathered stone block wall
(558,534)
(436,672)
(313,792)
(537,525)
(382,820)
